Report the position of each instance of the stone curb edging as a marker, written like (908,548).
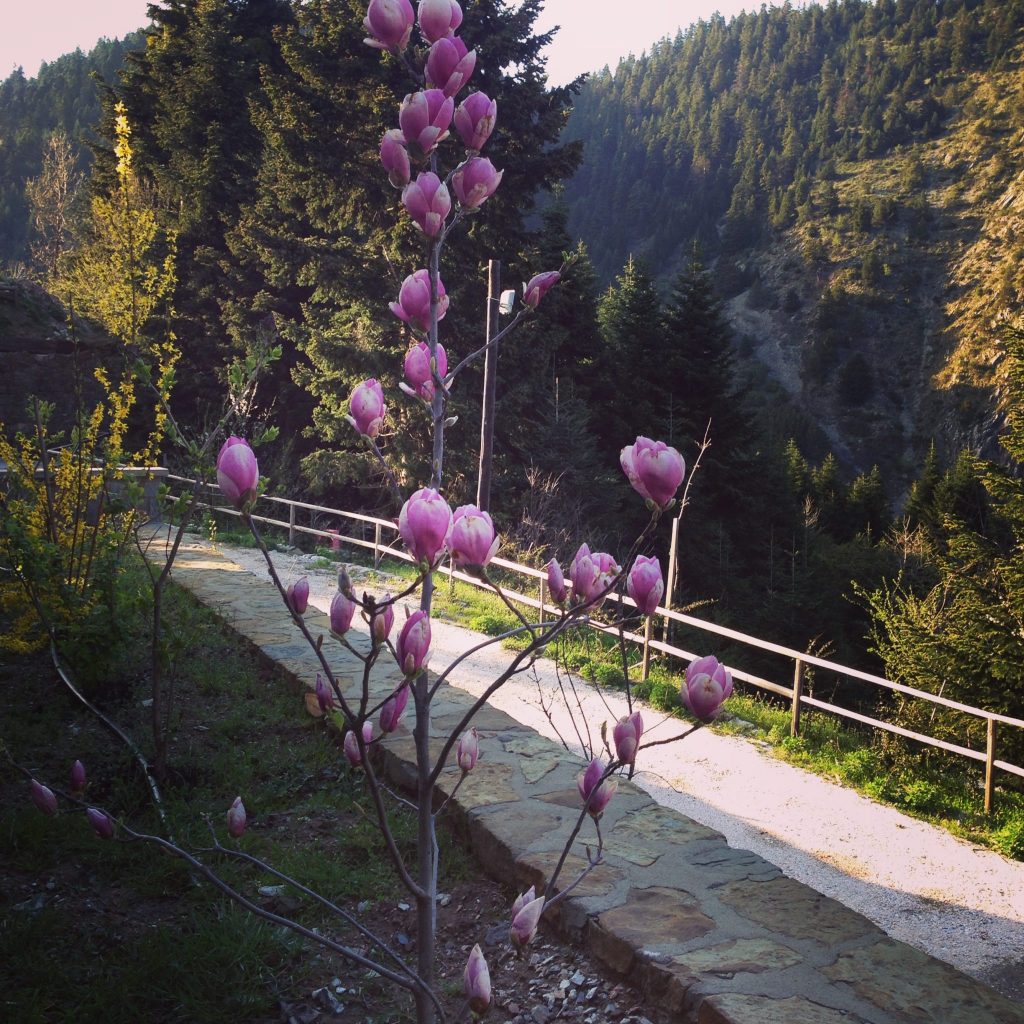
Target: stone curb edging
(711,934)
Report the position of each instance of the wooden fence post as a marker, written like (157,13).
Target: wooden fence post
(291,526)
(990,768)
(543,599)
(645,667)
(798,689)
(376,545)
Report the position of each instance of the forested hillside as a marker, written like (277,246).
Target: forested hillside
(852,173)
(63,97)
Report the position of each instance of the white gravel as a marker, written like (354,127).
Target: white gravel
(921,885)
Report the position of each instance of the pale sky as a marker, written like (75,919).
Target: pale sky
(594,32)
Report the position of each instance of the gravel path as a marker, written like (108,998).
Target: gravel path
(923,886)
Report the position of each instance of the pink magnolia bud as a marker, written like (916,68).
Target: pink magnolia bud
(101,822)
(236,818)
(473,542)
(413,305)
(655,470)
(475,181)
(593,789)
(520,901)
(592,575)
(439,18)
(297,595)
(395,158)
(645,584)
(350,746)
(626,734)
(43,798)
(538,286)
(366,407)
(475,120)
(476,981)
(383,619)
(468,750)
(413,647)
(418,373)
(449,66)
(342,610)
(427,201)
(324,695)
(238,475)
(556,582)
(389,24)
(525,922)
(78,779)
(424,118)
(394,708)
(707,686)
(425,524)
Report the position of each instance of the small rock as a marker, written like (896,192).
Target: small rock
(578,979)
(272,890)
(444,898)
(540,1015)
(403,906)
(363,905)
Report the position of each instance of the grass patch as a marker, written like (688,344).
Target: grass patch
(117,932)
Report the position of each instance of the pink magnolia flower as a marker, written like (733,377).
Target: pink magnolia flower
(655,470)
(78,777)
(592,575)
(449,65)
(538,286)
(418,373)
(525,922)
(102,823)
(343,608)
(297,595)
(424,118)
(382,619)
(366,407)
(626,735)
(427,201)
(350,745)
(43,798)
(595,792)
(556,582)
(468,750)
(236,818)
(476,181)
(645,585)
(439,18)
(476,981)
(238,474)
(324,694)
(393,709)
(707,686)
(425,524)
(395,158)
(389,24)
(413,646)
(475,119)
(413,305)
(473,542)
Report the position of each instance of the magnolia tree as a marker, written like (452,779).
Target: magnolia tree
(432,531)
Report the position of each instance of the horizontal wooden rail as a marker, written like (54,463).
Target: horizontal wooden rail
(800,659)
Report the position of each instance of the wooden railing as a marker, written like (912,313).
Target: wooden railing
(384,530)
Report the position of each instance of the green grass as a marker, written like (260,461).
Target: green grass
(123,933)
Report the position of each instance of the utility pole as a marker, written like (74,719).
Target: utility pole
(483,489)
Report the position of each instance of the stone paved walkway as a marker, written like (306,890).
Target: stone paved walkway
(713,934)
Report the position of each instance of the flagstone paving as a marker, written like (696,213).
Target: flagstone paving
(712,934)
